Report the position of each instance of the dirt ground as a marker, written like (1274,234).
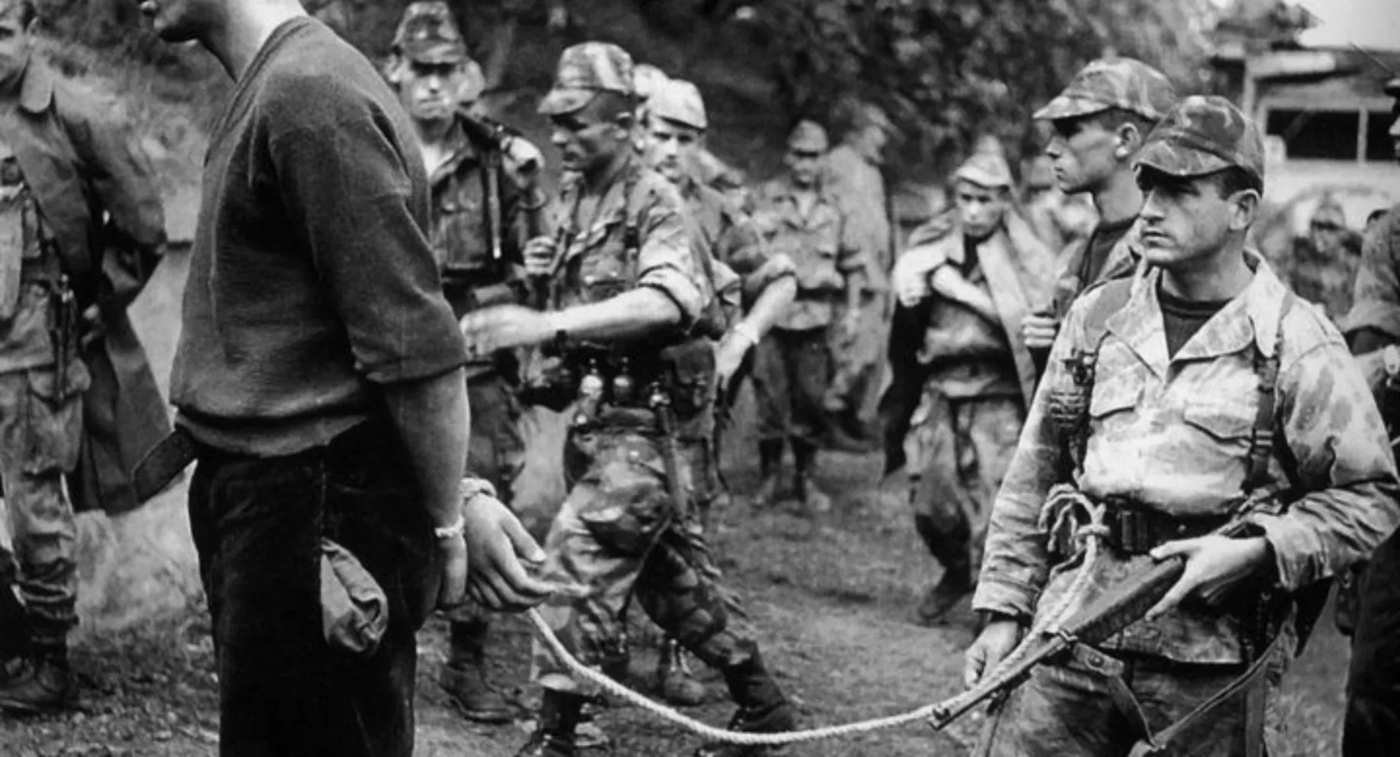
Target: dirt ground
(829,599)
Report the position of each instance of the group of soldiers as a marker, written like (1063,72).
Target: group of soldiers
(1147,384)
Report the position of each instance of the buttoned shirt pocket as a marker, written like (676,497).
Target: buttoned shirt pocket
(1228,422)
(1112,401)
(459,229)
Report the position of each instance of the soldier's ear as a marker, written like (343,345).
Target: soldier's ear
(1127,138)
(394,69)
(1244,208)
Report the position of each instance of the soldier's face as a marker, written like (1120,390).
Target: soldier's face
(1326,231)
(588,139)
(429,91)
(1184,220)
(669,147)
(1081,153)
(14,42)
(804,165)
(980,209)
(182,20)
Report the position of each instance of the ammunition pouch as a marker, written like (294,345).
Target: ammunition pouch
(685,371)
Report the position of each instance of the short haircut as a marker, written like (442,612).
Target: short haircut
(1113,118)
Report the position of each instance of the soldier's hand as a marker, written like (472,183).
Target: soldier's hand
(503,327)
(539,256)
(1038,330)
(497,551)
(1213,565)
(995,642)
(521,161)
(910,277)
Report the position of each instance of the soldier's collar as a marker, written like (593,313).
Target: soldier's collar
(36,90)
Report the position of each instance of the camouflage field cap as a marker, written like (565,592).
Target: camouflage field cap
(679,100)
(585,70)
(985,169)
(808,136)
(1124,83)
(427,33)
(1203,134)
(646,79)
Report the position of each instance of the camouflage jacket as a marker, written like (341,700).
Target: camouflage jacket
(460,232)
(1376,293)
(1072,278)
(733,239)
(820,244)
(596,263)
(1172,435)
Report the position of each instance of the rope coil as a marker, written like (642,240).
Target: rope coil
(1091,532)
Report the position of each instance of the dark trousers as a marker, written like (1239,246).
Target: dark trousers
(257,525)
(1372,723)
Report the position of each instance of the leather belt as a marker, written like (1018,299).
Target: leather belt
(1134,529)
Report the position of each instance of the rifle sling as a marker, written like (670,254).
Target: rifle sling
(1249,683)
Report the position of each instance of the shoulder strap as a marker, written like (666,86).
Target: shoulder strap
(1083,363)
(1261,437)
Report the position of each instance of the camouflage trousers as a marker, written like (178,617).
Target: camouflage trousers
(496,452)
(1070,709)
(40,432)
(617,538)
(958,451)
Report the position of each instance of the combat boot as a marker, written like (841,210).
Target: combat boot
(813,500)
(554,735)
(674,680)
(951,550)
(763,708)
(37,684)
(770,461)
(464,675)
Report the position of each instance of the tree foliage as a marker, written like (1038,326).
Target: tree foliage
(951,70)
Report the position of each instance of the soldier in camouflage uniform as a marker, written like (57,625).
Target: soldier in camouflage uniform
(1373,331)
(793,364)
(625,289)
(965,296)
(77,197)
(753,285)
(1207,394)
(1100,120)
(485,204)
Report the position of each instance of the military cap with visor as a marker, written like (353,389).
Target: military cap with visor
(679,101)
(427,33)
(585,70)
(1124,83)
(1203,134)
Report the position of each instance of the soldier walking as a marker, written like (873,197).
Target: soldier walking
(966,295)
(793,364)
(753,285)
(78,201)
(1204,395)
(625,289)
(1100,121)
(484,205)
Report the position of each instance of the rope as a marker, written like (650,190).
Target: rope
(1091,534)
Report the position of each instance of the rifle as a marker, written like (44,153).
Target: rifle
(1108,614)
